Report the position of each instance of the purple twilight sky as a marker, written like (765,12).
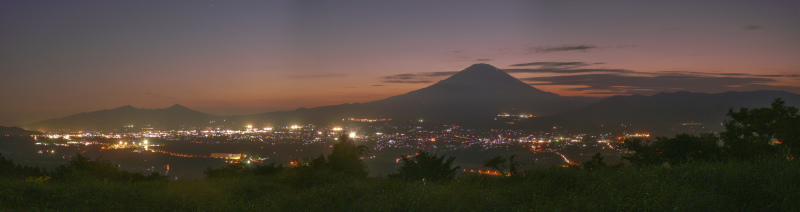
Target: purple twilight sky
(241,57)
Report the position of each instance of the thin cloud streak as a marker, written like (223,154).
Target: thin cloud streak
(157,95)
(725,74)
(422,77)
(567,71)
(582,48)
(751,27)
(625,84)
(551,64)
(407,81)
(313,76)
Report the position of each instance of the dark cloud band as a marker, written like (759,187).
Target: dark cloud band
(567,71)
(312,76)
(563,48)
(624,84)
(551,64)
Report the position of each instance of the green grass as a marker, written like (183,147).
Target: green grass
(766,185)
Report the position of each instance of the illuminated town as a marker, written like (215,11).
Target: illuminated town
(385,140)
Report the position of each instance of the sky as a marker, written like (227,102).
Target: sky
(59,58)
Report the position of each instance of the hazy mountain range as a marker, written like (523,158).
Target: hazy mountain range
(668,112)
(474,96)
(127,118)
(16,131)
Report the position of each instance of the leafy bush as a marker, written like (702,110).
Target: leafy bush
(499,163)
(14,171)
(242,169)
(346,158)
(761,131)
(82,168)
(426,167)
(677,150)
(595,163)
(686,147)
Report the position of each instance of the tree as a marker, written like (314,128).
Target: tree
(595,163)
(643,154)
(427,167)
(97,168)
(677,150)
(499,163)
(754,132)
(242,169)
(10,170)
(346,158)
(80,168)
(686,147)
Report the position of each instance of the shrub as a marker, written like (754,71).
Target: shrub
(427,167)
(756,132)
(82,168)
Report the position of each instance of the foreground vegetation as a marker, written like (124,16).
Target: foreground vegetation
(750,167)
(769,185)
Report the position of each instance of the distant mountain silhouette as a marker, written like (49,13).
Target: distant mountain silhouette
(664,112)
(174,117)
(478,93)
(16,131)
(473,96)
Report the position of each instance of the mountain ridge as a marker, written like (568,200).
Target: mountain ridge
(474,95)
(663,112)
(117,118)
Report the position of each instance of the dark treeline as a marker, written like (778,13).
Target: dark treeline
(749,166)
(79,168)
(749,134)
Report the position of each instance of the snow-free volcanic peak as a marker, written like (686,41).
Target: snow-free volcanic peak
(484,78)
(478,92)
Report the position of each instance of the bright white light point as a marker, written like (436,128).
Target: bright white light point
(352,135)
(145,142)
(267,128)
(249,126)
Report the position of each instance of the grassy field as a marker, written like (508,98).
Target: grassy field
(765,185)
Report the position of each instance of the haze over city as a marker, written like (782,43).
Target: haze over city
(415,105)
(230,58)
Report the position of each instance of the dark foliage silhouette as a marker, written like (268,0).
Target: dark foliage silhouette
(426,167)
(500,164)
(13,171)
(82,168)
(344,163)
(346,158)
(242,169)
(677,150)
(595,163)
(761,131)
